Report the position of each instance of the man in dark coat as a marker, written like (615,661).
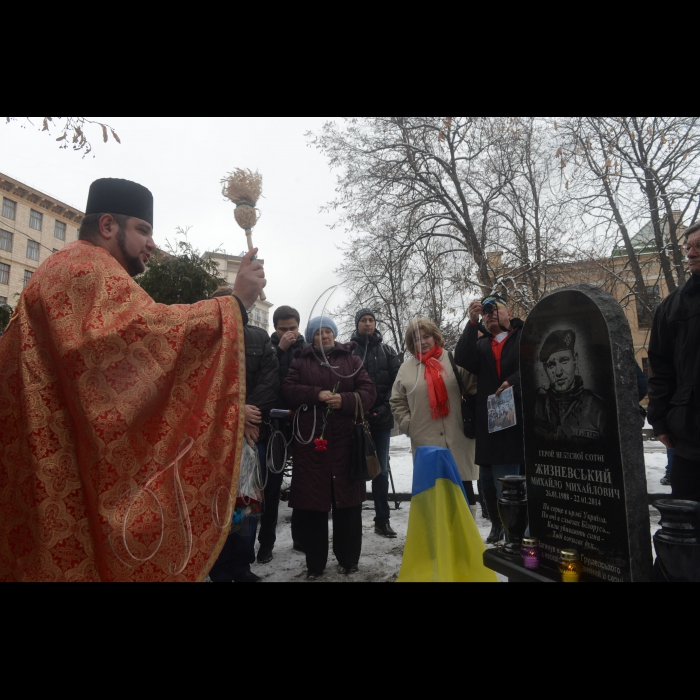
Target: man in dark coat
(382,364)
(674,389)
(321,385)
(567,410)
(286,341)
(495,360)
(262,395)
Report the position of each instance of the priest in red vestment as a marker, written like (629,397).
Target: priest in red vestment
(121,420)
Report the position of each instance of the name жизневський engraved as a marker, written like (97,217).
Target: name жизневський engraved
(583,436)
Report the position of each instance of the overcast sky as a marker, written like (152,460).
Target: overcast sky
(182,160)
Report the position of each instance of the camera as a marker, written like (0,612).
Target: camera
(490,308)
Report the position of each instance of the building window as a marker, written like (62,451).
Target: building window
(4,274)
(6,241)
(3,301)
(60,231)
(646,316)
(33,250)
(36,220)
(647,368)
(9,209)
(27,276)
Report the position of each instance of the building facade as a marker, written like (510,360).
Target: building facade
(229,265)
(33,225)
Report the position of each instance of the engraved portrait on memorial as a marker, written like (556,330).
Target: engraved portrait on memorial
(566,409)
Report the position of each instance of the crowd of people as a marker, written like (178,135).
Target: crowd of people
(422,395)
(324,383)
(121,418)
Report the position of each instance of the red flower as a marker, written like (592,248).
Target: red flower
(321,445)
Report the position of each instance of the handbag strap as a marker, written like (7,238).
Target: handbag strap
(359,412)
(462,390)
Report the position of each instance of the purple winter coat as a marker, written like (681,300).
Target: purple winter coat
(318,476)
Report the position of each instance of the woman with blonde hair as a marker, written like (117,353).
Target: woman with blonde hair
(427,400)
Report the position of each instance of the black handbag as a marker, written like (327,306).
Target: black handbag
(365,465)
(468,404)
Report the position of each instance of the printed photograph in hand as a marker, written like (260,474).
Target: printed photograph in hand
(502,414)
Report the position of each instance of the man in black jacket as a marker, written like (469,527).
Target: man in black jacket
(262,395)
(287,342)
(286,339)
(495,360)
(383,364)
(674,352)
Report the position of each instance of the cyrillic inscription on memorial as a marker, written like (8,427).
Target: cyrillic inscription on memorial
(579,398)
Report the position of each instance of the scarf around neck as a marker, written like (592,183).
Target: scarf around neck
(437,389)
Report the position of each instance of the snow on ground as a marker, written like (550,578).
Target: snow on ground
(381,559)
(380,563)
(657,461)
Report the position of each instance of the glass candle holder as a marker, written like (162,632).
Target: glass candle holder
(532,553)
(570,566)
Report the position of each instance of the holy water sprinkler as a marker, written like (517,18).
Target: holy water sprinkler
(244,189)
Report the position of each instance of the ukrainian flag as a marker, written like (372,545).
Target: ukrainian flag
(443,544)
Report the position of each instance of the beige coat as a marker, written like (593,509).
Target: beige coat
(411,408)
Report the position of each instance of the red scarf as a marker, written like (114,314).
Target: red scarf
(437,390)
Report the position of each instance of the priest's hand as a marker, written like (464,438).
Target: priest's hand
(250,280)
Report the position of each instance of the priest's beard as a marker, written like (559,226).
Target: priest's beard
(134,265)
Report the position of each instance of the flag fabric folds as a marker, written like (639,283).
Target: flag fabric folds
(443,544)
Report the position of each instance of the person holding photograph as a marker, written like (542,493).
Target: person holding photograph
(495,360)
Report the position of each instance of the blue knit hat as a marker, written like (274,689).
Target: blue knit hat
(316,324)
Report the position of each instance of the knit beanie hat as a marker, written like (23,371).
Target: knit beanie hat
(316,324)
(361,314)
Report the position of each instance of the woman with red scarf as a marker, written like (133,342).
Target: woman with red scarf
(427,402)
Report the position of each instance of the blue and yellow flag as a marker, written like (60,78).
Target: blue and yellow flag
(443,544)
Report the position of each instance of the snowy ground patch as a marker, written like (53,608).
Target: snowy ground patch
(381,559)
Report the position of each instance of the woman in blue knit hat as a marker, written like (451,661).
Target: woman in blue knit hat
(321,385)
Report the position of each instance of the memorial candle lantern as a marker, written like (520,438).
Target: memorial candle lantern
(570,566)
(532,554)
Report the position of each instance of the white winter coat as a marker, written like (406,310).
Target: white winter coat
(410,405)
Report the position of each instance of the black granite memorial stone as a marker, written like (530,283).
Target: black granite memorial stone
(586,475)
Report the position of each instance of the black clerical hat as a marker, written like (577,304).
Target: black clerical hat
(559,341)
(112,196)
